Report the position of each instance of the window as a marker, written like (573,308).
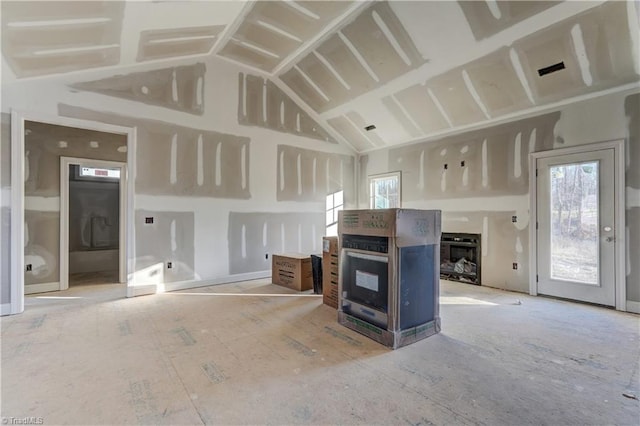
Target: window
(335,203)
(384,191)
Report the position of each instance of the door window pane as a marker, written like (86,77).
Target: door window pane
(574,222)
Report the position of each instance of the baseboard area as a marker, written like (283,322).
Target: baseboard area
(41,288)
(633,307)
(5,309)
(142,290)
(184,285)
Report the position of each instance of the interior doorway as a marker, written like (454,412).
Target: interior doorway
(91,225)
(578,241)
(37,180)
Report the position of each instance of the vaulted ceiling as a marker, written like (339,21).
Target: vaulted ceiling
(413,69)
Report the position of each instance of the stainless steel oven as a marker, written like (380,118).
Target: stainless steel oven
(389,273)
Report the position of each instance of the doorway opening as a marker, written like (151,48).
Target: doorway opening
(578,225)
(90,219)
(48,154)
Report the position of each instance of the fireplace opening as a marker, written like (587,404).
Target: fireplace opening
(460,257)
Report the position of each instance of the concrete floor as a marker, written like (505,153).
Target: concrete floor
(255,353)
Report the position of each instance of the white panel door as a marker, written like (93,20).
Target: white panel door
(576,226)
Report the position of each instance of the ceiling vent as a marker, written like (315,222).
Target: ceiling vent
(370,127)
(551,68)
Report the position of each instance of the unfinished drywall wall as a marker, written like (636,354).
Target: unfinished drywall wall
(367,53)
(180,88)
(45,143)
(261,103)
(490,17)
(307,175)
(42,247)
(489,194)
(632,114)
(174,42)
(488,162)
(32,49)
(5,208)
(255,237)
(183,161)
(164,247)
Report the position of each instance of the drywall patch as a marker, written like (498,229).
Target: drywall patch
(43,152)
(456,100)
(297,183)
(175,88)
(225,168)
(263,104)
(42,249)
(63,46)
(268,234)
(632,112)
(497,83)
(401,115)
(489,18)
(175,42)
(633,246)
(367,53)
(486,160)
(154,246)
(607,49)
(421,108)
(271,31)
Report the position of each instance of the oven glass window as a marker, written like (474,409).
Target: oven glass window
(366,279)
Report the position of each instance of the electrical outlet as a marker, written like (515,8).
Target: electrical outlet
(169,265)
(446,166)
(515,265)
(266,255)
(462,164)
(29,267)
(514,219)
(148,220)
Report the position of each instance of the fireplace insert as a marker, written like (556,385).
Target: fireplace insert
(460,257)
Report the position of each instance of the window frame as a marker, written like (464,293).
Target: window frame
(372,178)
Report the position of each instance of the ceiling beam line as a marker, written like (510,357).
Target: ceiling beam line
(230,30)
(355,9)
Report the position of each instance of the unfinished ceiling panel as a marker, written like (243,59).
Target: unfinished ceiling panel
(418,106)
(156,44)
(489,17)
(273,30)
(453,96)
(607,44)
(261,103)
(402,116)
(369,131)
(589,52)
(351,133)
(50,37)
(367,53)
(497,83)
(179,88)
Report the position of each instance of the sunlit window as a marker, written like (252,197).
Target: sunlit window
(384,191)
(335,203)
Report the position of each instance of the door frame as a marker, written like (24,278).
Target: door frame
(18,119)
(619,213)
(65,162)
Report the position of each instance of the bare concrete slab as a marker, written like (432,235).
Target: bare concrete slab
(256,353)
